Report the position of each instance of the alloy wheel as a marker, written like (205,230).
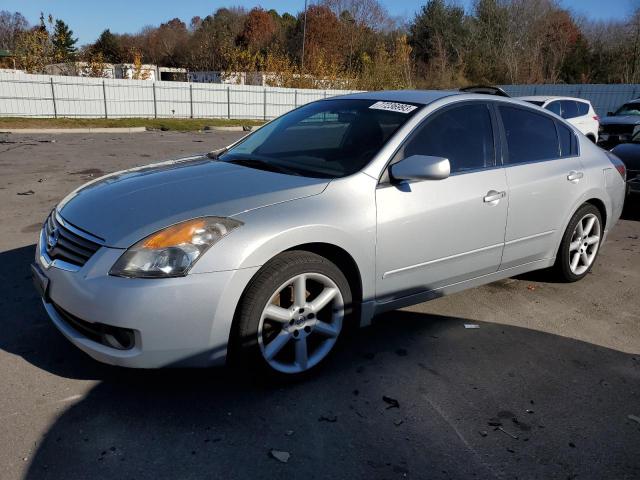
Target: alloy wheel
(301,323)
(584,244)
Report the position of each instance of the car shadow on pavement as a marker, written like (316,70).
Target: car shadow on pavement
(414,395)
(26,331)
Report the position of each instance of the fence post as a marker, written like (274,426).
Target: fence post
(155,105)
(191,98)
(325,94)
(229,103)
(295,98)
(53,98)
(264,113)
(104,97)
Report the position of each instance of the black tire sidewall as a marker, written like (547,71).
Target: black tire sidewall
(563,258)
(244,348)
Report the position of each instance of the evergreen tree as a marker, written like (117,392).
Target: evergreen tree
(63,41)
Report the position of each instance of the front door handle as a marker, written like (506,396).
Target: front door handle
(493,197)
(574,177)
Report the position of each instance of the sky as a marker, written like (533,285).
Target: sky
(87,18)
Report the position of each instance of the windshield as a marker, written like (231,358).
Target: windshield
(328,139)
(629,109)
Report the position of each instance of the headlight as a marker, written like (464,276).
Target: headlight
(171,252)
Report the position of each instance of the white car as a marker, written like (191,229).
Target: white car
(576,111)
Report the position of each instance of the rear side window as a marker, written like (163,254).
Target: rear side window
(462,134)
(569,109)
(554,107)
(583,108)
(530,136)
(568,143)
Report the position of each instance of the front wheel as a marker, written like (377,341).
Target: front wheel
(292,314)
(580,244)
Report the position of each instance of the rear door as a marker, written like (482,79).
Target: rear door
(434,233)
(543,173)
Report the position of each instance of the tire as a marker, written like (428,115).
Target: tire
(318,326)
(568,267)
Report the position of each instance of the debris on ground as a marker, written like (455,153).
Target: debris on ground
(392,402)
(471,325)
(356,392)
(494,423)
(279,455)
(288,433)
(529,411)
(28,192)
(397,423)
(634,418)
(572,445)
(483,433)
(515,437)
(328,418)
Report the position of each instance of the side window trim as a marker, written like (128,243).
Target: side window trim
(507,163)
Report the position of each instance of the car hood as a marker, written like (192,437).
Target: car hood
(629,153)
(124,207)
(621,120)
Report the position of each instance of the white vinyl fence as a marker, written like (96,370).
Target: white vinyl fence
(24,95)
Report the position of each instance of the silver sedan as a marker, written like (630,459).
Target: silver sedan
(267,251)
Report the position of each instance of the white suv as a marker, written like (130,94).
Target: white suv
(576,111)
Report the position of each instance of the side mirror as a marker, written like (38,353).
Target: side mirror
(421,167)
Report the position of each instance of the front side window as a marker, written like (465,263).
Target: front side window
(463,134)
(569,109)
(530,136)
(327,139)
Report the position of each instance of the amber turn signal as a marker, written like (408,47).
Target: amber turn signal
(175,235)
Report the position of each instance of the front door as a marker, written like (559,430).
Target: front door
(435,233)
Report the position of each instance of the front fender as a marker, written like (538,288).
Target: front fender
(343,215)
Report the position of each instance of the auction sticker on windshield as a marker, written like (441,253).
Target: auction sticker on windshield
(394,107)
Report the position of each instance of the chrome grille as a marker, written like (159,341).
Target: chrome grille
(62,244)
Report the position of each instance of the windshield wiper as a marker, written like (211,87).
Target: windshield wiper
(262,165)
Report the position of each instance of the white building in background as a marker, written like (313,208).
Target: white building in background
(78,69)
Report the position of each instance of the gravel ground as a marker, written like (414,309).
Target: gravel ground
(547,387)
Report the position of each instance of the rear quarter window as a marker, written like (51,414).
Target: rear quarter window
(531,136)
(583,108)
(568,142)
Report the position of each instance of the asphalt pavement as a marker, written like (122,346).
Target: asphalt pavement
(547,386)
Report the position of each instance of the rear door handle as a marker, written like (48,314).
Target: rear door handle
(493,197)
(574,176)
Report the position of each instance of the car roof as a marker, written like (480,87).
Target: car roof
(412,96)
(546,98)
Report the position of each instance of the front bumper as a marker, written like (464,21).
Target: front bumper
(183,321)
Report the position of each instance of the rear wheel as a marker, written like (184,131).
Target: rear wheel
(292,314)
(580,244)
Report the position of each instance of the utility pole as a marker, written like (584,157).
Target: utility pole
(304,34)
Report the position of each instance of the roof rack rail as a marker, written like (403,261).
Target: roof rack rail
(485,89)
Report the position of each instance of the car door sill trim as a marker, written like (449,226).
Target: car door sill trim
(530,237)
(443,259)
